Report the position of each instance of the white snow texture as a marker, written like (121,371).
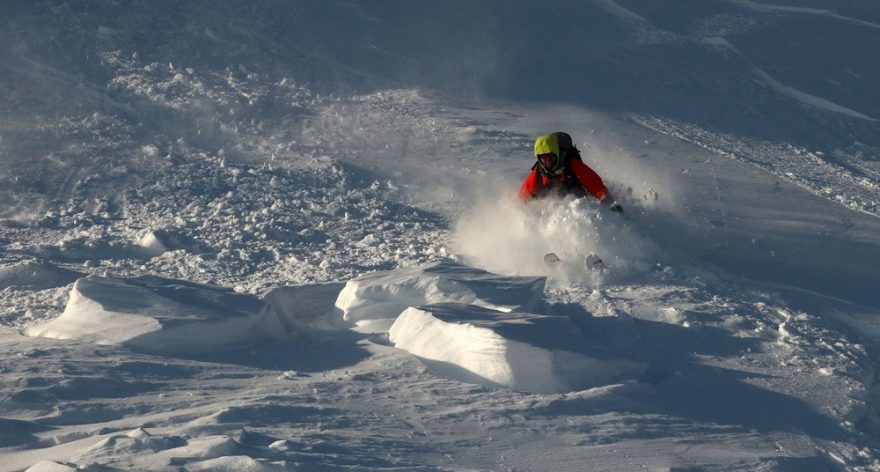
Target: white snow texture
(286,235)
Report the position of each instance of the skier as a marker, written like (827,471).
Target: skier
(560,171)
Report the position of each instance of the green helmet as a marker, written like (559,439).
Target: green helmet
(548,144)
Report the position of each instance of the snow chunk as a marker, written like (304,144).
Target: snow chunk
(159,241)
(159,315)
(150,150)
(305,308)
(151,244)
(371,302)
(35,275)
(527,352)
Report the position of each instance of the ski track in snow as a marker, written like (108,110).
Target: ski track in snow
(848,182)
(806,98)
(615,9)
(195,196)
(809,11)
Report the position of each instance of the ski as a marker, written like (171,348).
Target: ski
(592,262)
(551,259)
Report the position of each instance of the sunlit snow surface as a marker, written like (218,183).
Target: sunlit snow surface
(285,236)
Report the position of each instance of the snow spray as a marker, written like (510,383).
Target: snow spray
(507,237)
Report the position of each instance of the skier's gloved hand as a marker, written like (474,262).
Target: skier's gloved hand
(612,204)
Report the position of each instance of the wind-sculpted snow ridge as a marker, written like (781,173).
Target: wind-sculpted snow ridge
(306,309)
(371,302)
(39,285)
(35,275)
(477,327)
(160,315)
(526,352)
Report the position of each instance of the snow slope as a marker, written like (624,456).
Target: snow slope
(284,236)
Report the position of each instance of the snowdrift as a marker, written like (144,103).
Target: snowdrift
(470,325)
(35,275)
(462,323)
(154,314)
(307,308)
(527,352)
(371,302)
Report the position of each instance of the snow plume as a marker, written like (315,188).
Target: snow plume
(506,237)
(424,152)
(633,171)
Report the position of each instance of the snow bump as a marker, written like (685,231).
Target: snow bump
(373,301)
(159,315)
(522,351)
(35,275)
(473,326)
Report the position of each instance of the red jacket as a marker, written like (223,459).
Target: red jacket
(586,176)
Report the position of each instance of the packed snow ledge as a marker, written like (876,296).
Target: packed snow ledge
(462,323)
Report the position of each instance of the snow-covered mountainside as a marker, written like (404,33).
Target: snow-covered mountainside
(284,235)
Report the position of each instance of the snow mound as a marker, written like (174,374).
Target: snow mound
(305,308)
(527,352)
(152,244)
(35,275)
(135,441)
(159,241)
(372,301)
(159,315)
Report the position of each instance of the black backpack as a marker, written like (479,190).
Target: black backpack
(570,185)
(566,148)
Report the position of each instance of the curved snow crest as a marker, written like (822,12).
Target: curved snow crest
(477,327)
(306,309)
(522,351)
(35,275)
(373,301)
(160,315)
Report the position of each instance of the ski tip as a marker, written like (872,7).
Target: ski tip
(594,263)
